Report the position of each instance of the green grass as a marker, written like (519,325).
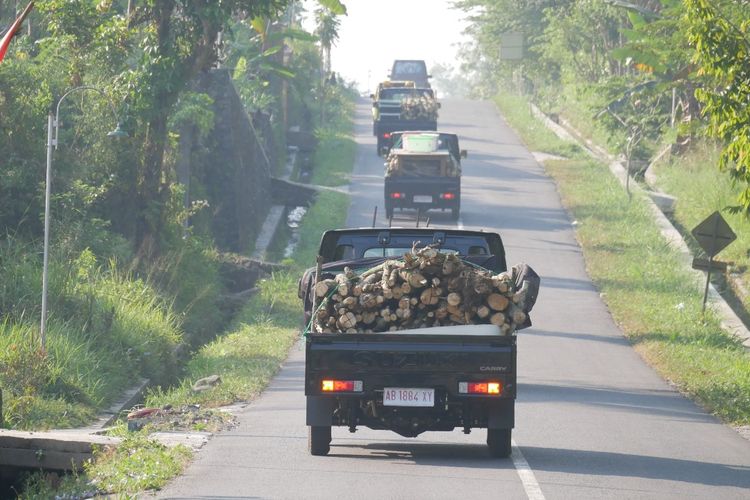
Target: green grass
(334,158)
(249,354)
(649,293)
(136,464)
(701,189)
(105,330)
(518,112)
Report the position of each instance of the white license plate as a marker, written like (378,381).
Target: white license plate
(421,198)
(405,396)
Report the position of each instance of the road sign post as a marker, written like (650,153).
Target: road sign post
(713,235)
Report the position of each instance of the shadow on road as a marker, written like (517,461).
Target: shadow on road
(663,403)
(586,462)
(438,454)
(535,332)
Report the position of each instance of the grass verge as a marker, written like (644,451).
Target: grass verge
(650,295)
(246,357)
(701,189)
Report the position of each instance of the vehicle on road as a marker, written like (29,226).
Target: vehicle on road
(410,69)
(409,381)
(402,108)
(423,172)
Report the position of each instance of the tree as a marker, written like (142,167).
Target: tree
(327,30)
(179,42)
(719,32)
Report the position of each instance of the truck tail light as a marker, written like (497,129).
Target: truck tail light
(398,196)
(387,135)
(489,388)
(329,385)
(448,196)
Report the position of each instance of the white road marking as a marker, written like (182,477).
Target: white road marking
(530,485)
(460,222)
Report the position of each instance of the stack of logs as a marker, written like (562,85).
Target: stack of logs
(415,108)
(425,289)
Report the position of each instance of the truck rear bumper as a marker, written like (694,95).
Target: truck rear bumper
(324,411)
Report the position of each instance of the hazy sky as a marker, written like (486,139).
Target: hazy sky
(375,32)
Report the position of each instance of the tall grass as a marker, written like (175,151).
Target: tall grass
(105,330)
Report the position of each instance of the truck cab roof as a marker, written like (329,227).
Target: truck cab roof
(364,243)
(446,141)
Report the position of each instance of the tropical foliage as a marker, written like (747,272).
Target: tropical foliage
(130,279)
(648,70)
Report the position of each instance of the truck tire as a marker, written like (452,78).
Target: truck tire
(455,213)
(319,440)
(379,145)
(499,442)
(388,211)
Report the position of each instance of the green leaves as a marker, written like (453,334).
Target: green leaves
(334,6)
(719,33)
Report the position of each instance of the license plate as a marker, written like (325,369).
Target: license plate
(405,396)
(421,198)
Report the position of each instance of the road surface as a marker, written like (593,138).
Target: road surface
(592,419)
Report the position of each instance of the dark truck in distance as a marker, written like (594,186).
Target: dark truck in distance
(423,180)
(412,381)
(410,69)
(389,113)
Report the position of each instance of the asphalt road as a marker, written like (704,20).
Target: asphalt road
(592,419)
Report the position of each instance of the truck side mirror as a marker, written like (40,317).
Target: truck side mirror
(464,153)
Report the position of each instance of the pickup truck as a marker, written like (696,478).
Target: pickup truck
(388,113)
(423,180)
(410,381)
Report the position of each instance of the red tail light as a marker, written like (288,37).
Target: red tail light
(341,385)
(398,196)
(492,388)
(448,196)
(387,135)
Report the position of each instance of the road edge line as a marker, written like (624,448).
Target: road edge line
(528,479)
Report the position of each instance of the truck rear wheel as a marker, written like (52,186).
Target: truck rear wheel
(388,211)
(319,440)
(499,442)
(455,212)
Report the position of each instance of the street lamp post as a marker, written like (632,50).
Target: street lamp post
(53,122)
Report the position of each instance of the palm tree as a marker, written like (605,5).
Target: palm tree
(327,30)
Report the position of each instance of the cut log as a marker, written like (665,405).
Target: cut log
(483,311)
(497,302)
(416,280)
(497,319)
(323,287)
(347,320)
(454,299)
(430,296)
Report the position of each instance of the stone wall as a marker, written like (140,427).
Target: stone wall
(231,169)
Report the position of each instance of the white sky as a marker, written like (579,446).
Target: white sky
(375,32)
